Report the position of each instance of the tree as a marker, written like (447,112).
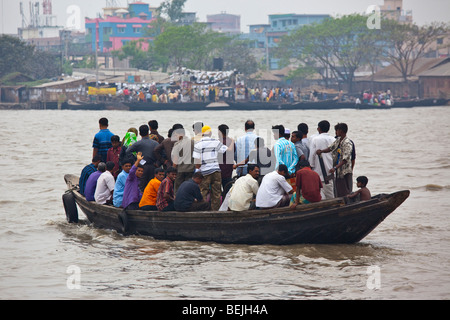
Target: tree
(237,56)
(17,56)
(190,46)
(173,9)
(340,45)
(139,58)
(403,44)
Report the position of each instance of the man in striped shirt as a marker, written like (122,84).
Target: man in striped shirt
(206,152)
(284,150)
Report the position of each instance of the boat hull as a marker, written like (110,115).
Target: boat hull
(330,221)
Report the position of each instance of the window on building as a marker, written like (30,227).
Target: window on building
(121,30)
(107,30)
(274,24)
(137,30)
(440,41)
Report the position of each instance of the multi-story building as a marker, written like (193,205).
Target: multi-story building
(119,26)
(225,23)
(263,37)
(393,9)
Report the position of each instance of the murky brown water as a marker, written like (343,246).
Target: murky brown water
(408,254)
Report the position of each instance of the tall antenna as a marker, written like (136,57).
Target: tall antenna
(112,4)
(47,7)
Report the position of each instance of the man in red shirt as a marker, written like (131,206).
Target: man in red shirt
(308,185)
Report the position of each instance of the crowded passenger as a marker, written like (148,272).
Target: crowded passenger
(197,174)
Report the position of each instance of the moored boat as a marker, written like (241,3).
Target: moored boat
(329,221)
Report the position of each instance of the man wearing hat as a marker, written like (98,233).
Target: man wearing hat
(206,152)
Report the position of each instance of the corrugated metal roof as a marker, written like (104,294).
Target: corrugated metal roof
(442,70)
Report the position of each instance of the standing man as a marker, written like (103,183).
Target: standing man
(102,140)
(165,197)
(284,150)
(206,153)
(153,125)
(147,147)
(341,149)
(182,158)
(244,145)
(226,161)
(321,142)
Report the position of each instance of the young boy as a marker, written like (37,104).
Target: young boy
(148,201)
(363,192)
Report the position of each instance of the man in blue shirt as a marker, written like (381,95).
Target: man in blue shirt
(119,188)
(244,145)
(102,140)
(284,150)
(87,171)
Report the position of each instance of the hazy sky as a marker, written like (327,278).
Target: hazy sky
(251,11)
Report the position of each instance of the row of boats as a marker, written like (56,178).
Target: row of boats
(243,106)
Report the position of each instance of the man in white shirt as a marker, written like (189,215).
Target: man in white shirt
(322,141)
(105,185)
(243,190)
(244,145)
(274,191)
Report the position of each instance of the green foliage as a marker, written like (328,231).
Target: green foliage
(17,56)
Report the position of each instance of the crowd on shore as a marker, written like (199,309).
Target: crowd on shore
(200,173)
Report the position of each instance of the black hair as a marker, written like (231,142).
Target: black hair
(197,174)
(249,124)
(153,124)
(324,125)
(169,134)
(251,167)
(143,130)
(158,170)
(103,122)
(280,129)
(197,126)
(128,159)
(363,180)
(283,168)
(303,163)
(171,169)
(224,129)
(115,138)
(297,134)
(110,165)
(303,128)
(341,126)
(96,158)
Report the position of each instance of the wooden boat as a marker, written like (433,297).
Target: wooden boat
(329,221)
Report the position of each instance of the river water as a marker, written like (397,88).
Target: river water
(43,257)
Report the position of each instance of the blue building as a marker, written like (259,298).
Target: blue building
(267,36)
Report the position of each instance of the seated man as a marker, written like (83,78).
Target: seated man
(148,201)
(105,185)
(119,188)
(132,194)
(189,197)
(308,185)
(244,189)
(274,191)
(166,195)
(91,182)
(87,171)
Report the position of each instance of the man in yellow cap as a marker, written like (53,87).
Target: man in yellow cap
(206,152)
